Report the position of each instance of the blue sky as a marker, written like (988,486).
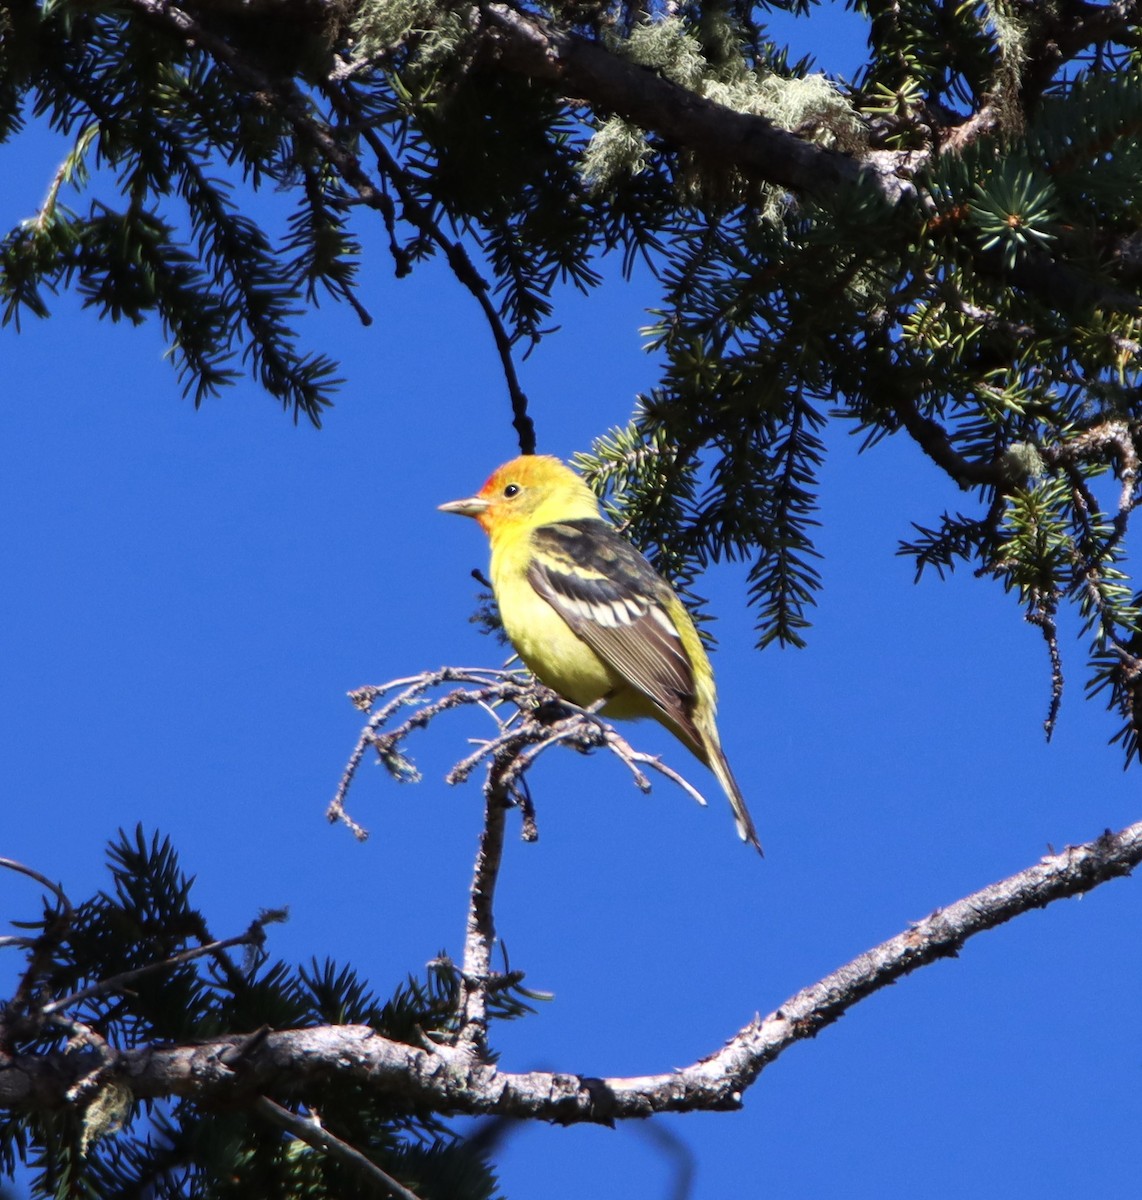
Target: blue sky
(189,595)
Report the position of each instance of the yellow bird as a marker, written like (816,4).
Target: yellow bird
(590,616)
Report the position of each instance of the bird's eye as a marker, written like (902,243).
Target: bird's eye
(511,490)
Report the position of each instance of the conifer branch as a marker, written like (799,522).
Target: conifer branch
(1106,441)
(1059,35)
(458,259)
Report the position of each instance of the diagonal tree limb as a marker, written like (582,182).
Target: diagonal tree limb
(751,143)
(415,1077)
(588,73)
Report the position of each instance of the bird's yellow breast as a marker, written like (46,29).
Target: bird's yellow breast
(548,646)
(541,637)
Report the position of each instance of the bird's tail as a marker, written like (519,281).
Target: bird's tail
(702,738)
(723,774)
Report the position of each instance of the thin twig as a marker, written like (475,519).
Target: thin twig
(490,685)
(311,1132)
(635,758)
(254,936)
(1043,615)
(67,911)
(47,942)
(571,731)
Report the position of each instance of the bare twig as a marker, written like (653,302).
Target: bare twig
(313,1133)
(534,719)
(488,685)
(1043,615)
(636,758)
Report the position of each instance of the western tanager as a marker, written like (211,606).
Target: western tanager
(590,616)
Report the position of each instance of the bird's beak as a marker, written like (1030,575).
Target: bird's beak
(472,507)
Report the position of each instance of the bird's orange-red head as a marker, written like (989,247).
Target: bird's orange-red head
(529,491)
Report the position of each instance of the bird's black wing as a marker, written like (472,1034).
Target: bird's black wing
(615,601)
